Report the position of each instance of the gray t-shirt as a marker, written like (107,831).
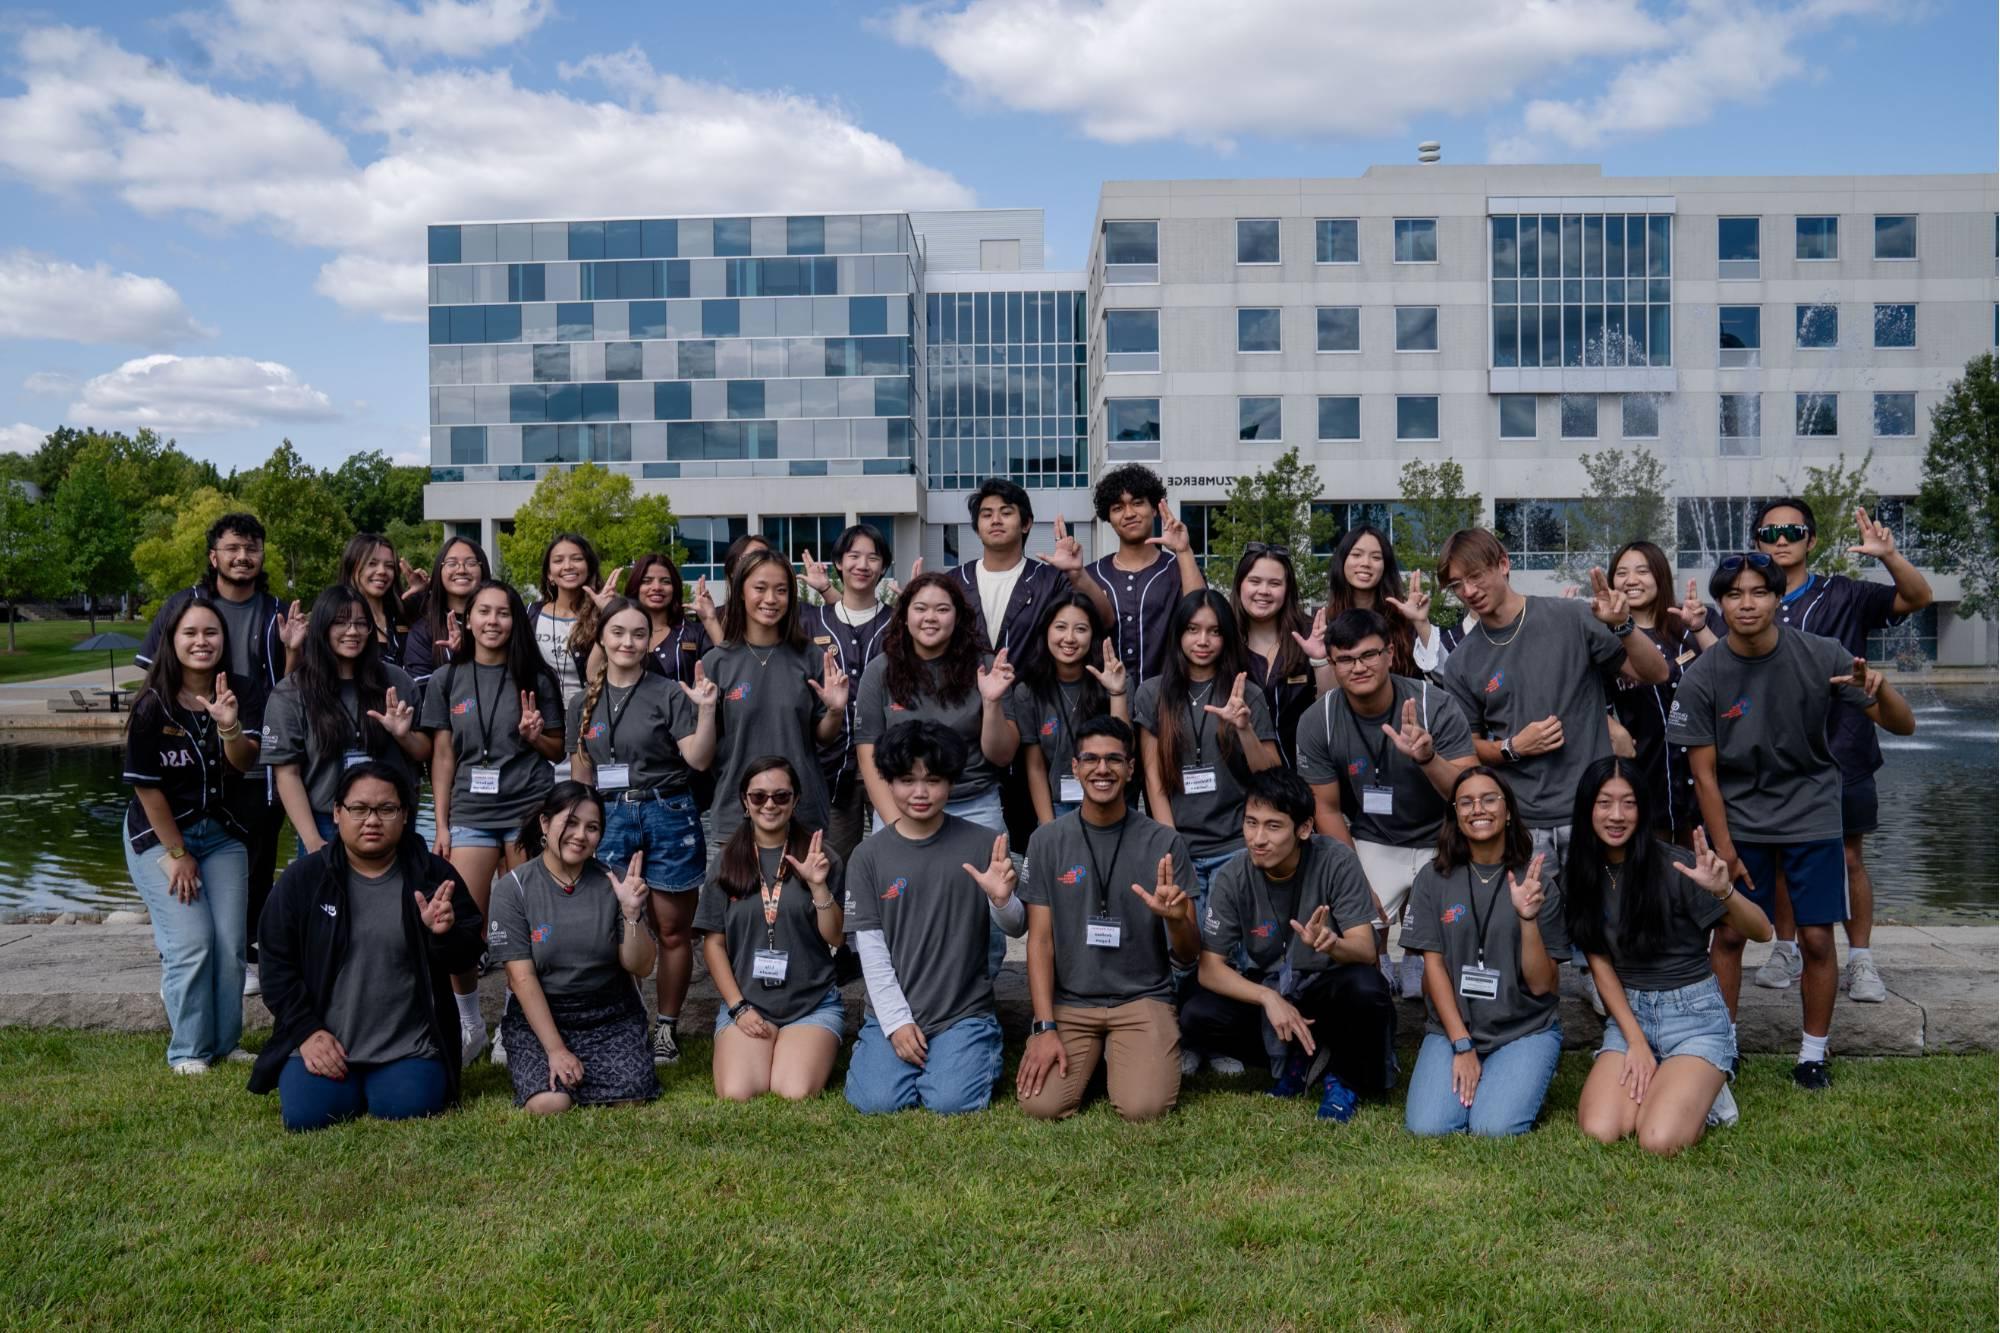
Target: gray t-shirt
(1082,873)
(1050,724)
(239,620)
(878,713)
(1212,822)
(1447,913)
(481,707)
(1248,919)
(1692,912)
(932,915)
(765,707)
(1767,719)
(640,726)
(289,738)
(808,960)
(1554,660)
(378,1010)
(571,937)
(1337,745)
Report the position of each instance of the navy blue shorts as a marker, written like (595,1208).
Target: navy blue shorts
(1860,810)
(1815,878)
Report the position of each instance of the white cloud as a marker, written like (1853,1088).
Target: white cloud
(446,143)
(21,438)
(51,298)
(49,383)
(176,395)
(345,44)
(1132,70)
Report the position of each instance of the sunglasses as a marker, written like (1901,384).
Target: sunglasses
(757,800)
(1734,564)
(1783,532)
(1263,548)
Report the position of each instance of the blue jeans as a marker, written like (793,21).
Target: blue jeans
(324,824)
(957,1075)
(200,943)
(1692,1020)
(1204,871)
(1512,1082)
(399,1090)
(667,830)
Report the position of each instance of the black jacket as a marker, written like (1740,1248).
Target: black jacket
(302,940)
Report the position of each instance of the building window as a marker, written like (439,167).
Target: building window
(1591,289)
(1339,328)
(1416,328)
(468,444)
(1131,252)
(1132,420)
(1818,414)
(1895,236)
(623,361)
(1131,340)
(732,237)
(444,245)
(1579,416)
(1741,418)
(551,362)
(791,534)
(673,400)
(1340,418)
(1517,416)
(805,236)
(1895,326)
(1202,521)
(1336,241)
(1641,416)
(1257,241)
(1416,417)
(1260,420)
(1416,241)
(576,321)
(1818,238)
(1535,533)
(1006,387)
(705,540)
(1742,334)
(1738,246)
(1896,415)
(1257,329)
(1818,326)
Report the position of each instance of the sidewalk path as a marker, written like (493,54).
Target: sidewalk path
(1942,983)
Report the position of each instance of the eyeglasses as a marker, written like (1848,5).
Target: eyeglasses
(361,814)
(757,800)
(1484,801)
(1101,760)
(343,624)
(1783,532)
(458,562)
(1456,587)
(1367,658)
(1735,564)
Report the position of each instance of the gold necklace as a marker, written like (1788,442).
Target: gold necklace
(1519,625)
(1484,880)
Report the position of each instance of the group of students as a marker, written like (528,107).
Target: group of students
(1226,805)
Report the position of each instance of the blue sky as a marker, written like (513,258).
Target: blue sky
(215,213)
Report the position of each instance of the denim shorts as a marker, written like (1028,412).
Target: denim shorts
(667,830)
(830,1013)
(1690,1021)
(462,836)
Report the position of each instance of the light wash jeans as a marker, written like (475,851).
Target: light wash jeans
(1512,1083)
(1204,871)
(201,943)
(959,1069)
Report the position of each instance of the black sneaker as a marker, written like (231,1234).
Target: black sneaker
(666,1049)
(1812,1075)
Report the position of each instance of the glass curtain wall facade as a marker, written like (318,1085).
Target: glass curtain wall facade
(1006,389)
(1582,289)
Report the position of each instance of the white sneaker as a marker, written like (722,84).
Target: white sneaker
(251,984)
(1723,1113)
(472,1040)
(191,1067)
(1190,1063)
(239,1056)
(498,1053)
(1590,993)
(1226,1065)
(1781,969)
(1863,983)
(1413,976)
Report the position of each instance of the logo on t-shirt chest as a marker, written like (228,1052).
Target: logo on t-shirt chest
(1452,914)
(738,693)
(1739,709)
(1495,681)
(1075,877)
(1048,727)
(1264,930)
(542,934)
(1356,767)
(463,708)
(895,889)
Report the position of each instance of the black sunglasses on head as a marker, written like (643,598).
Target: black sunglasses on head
(1734,564)
(1264,548)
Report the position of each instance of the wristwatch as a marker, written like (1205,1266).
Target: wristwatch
(1623,630)
(1463,1046)
(1041,1025)
(176,853)
(1507,750)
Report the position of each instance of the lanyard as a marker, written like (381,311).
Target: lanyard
(1479,918)
(479,702)
(1197,715)
(360,730)
(770,894)
(1103,881)
(613,715)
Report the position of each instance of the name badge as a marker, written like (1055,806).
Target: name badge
(1378,800)
(1197,781)
(353,757)
(1299,679)
(768,966)
(1478,983)
(1685,657)
(1103,932)
(612,776)
(485,781)
(822,640)
(1071,791)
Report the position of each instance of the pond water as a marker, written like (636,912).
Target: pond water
(1935,860)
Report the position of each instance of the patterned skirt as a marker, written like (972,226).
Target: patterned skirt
(605,1031)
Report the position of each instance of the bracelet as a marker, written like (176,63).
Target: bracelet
(1316,663)
(826,906)
(1114,694)
(231,735)
(736,1010)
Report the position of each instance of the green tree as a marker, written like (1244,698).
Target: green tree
(176,555)
(304,519)
(1435,504)
(30,567)
(1835,492)
(1956,509)
(593,500)
(376,493)
(1625,501)
(1274,505)
(96,530)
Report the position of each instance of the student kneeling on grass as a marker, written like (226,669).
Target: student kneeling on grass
(919,896)
(359,942)
(1288,964)
(573,936)
(1110,920)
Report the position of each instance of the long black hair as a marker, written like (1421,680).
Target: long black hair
(1040,673)
(163,677)
(355,554)
(317,677)
(524,659)
(562,798)
(583,634)
(676,607)
(1399,636)
(1645,901)
(956,672)
(737,869)
(1171,711)
(437,603)
(1291,617)
(736,615)
(1517,845)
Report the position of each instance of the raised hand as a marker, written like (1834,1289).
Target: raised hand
(909,1044)
(1173,532)
(1527,893)
(1112,674)
(602,596)
(436,910)
(1876,539)
(454,633)
(1313,642)
(1234,712)
(1411,740)
(1416,608)
(996,680)
(395,716)
(1315,934)
(292,628)
(414,580)
(1067,554)
(1606,602)
(816,575)
(916,567)
(816,865)
(1166,900)
(704,692)
(530,725)
(1709,870)
(1539,737)
(222,709)
(1863,678)
(324,1055)
(565,1070)
(1691,613)
(997,880)
(704,601)
(833,692)
(630,887)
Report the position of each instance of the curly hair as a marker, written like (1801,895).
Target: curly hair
(952,675)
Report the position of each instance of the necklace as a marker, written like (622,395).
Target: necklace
(1519,625)
(1484,880)
(765,660)
(567,886)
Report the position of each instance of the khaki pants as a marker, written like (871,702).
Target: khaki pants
(1391,871)
(1140,1043)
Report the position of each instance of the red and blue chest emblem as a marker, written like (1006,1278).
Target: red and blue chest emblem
(1455,912)
(896,887)
(738,693)
(463,708)
(1075,877)
(1739,709)
(542,934)
(1495,681)
(1049,726)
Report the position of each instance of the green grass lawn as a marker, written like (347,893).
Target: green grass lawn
(42,649)
(136,1198)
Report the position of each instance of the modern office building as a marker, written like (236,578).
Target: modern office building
(790,374)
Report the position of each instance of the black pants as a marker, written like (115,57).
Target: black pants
(1353,1019)
(266,825)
